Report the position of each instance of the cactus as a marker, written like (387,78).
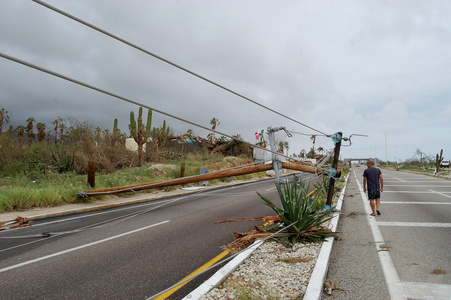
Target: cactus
(160,136)
(438,161)
(115,139)
(138,132)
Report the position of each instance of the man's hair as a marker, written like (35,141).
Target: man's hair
(370,161)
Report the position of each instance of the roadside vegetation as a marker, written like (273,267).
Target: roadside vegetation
(421,163)
(41,166)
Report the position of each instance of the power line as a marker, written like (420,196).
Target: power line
(169,62)
(33,66)
(36,67)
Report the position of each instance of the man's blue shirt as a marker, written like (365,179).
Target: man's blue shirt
(372,178)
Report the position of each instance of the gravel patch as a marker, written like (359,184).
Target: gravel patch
(273,271)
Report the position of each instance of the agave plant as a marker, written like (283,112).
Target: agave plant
(299,209)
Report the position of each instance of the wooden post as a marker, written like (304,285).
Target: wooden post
(330,192)
(92,173)
(182,170)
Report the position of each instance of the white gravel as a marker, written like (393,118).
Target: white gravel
(273,271)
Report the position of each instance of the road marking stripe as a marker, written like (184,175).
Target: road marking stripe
(414,192)
(421,290)
(202,268)
(415,224)
(399,202)
(391,276)
(415,185)
(441,193)
(80,247)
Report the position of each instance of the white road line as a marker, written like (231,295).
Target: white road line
(80,247)
(411,192)
(391,276)
(414,185)
(420,290)
(415,224)
(410,203)
(105,212)
(441,193)
(399,179)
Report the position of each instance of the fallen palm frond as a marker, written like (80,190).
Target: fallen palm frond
(264,219)
(244,240)
(298,219)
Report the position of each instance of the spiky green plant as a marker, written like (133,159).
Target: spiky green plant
(321,191)
(63,161)
(140,133)
(299,209)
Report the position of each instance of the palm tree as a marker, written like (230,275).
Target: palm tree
(190,133)
(4,118)
(56,122)
(30,131)
(214,122)
(280,147)
(41,131)
(313,138)
(20,132)
(287,146)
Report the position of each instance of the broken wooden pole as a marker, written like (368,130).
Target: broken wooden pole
(92,173)
(303,168)
(182,170)
(180,181)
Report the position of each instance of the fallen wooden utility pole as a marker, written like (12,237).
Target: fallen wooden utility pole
(210,176)
(303,168)
(179,181)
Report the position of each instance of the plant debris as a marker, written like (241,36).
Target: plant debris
(264,219)
(18,222)
(329,287)
(439,272)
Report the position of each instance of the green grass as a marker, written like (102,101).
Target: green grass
(20,191)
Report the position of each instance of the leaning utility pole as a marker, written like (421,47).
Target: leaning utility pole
(330,192)
(277,164)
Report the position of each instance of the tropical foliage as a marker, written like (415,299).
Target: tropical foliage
(299,213)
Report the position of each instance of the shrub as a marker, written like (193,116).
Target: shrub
(299,211)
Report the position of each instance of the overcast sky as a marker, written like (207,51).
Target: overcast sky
(379,68)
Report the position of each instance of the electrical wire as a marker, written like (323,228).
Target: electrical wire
(46,235)
(169,62)
(36,67)
(306,134)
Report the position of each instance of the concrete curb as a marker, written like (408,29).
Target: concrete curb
(315,287)
(222,273)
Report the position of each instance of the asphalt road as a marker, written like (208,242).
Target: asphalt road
(402,254)
(133,252)
(416,226)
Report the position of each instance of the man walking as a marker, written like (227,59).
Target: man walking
(372,179)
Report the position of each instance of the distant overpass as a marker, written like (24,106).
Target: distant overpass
(359,160)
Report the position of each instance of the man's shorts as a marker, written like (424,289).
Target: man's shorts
(374,194)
